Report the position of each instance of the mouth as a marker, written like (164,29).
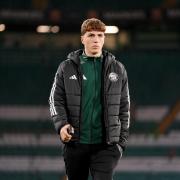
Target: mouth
(95,47)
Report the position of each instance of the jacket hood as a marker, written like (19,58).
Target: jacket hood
(74,56)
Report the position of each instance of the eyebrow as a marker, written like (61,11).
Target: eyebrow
(95,34)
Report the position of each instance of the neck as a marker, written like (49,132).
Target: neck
(93,54)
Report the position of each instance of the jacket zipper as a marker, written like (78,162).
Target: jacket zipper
(80,82)
(105,109)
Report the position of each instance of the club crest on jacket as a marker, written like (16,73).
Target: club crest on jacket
(113,77)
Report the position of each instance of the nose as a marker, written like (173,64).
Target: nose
(96,39)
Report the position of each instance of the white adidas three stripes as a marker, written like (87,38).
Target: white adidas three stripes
(51,99)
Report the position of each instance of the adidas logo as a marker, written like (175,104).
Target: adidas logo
(73,77)
(84,77)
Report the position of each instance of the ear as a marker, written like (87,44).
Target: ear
(82,39)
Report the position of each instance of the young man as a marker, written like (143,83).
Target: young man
(89,105)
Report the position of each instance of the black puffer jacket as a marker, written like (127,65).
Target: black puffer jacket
(65,98)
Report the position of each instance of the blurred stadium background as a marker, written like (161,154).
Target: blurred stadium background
(36,35)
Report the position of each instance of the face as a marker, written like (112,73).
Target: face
(93,42)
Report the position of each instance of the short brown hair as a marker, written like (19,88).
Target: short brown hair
(92,24)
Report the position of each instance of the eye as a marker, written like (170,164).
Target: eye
(100,35)
(91,35)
